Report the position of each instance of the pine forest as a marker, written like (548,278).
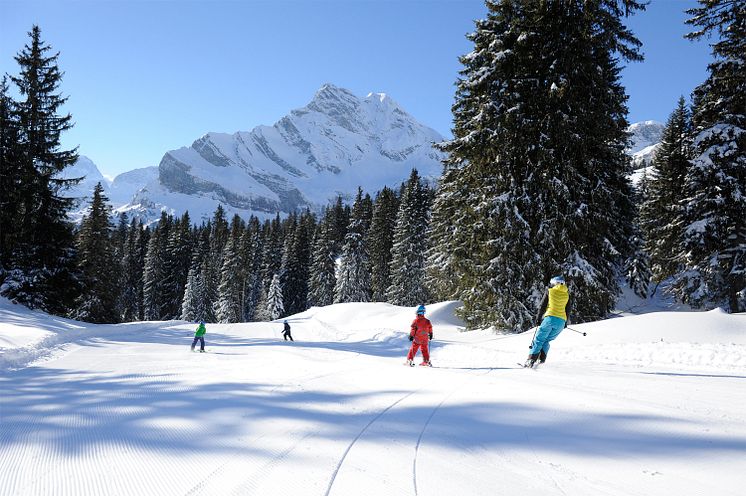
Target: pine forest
(536,183)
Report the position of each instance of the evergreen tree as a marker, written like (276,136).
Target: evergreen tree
(251,256)
(340,214)
(275,307)
(11,173)
(98,300)
(353,280)
(228,308)
(407,267)
(380,240)
(296,262)
(537,168)
(133,261)
(209,271)
(195,305)
(177,263)
(637,268)
(322,279)
(662,212)
(450,242)
(714,244)
(154,301)
(273,234)
(119,247)
(40,257)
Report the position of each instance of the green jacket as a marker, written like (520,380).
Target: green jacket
(200,331)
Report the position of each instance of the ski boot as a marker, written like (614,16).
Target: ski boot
(531,361)
(202,351)
(409,362)
(426,364)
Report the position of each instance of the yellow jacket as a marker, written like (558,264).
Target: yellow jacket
(555,302)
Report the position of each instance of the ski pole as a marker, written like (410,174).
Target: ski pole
(574,330)
(533,338)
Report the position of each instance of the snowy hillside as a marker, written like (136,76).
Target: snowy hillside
(648,404)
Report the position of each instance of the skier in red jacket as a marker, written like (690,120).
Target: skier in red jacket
(420,335)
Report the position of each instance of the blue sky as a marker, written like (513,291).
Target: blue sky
(145,77)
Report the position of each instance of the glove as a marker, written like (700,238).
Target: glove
(411,338)
(431,335)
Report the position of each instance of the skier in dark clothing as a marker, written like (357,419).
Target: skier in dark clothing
(552,318)
(286,331)
(199,336)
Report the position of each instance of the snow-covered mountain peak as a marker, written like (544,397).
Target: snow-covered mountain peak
(381,97)
(337,142)
(644,134)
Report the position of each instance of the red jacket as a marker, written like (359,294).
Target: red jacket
(422,329)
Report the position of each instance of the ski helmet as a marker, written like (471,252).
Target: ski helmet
(557,280)
(201,322)
(421,310)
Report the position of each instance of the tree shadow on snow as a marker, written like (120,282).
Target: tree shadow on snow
(73,414)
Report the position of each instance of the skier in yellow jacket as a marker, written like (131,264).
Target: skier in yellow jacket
(553,318)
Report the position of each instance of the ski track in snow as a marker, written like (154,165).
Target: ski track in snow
(362,431)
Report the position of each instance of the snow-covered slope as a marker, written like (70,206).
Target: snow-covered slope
(120,191)
(126,185)
(331,146)
(646,404)
(83,168)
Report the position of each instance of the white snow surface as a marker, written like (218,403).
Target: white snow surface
(649,404)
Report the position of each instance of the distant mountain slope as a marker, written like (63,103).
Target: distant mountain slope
(645,137)
(329,147)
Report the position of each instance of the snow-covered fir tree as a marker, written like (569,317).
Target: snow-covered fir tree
(407,266)
(322,278)
(228,307)
(210,271)
(133,261)
(380,240)
(448,240)
(537,168)
(296,261)
(177,263)
(340,213)
(637,267)
(714,246)
(153,272)
(251,255)
(195,305)
(662,212)
(10,176)
(275,308)
(37,257)
(97,301)
(119,247)
(353,279)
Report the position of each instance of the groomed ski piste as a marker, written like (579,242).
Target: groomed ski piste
(650,404)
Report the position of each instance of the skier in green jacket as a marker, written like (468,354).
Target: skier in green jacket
(200,336)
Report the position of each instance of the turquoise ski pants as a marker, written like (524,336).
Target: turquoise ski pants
(549,329)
